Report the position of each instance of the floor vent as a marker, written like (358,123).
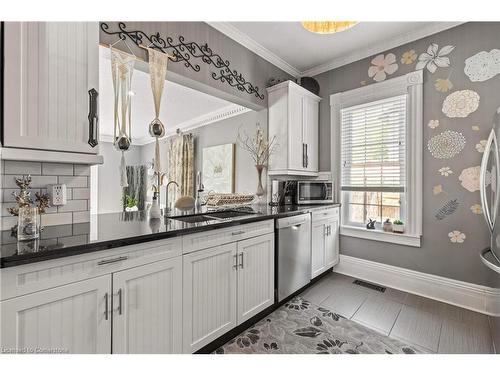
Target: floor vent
(366,284)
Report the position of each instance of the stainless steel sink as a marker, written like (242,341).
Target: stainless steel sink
(210,216)
(192,218)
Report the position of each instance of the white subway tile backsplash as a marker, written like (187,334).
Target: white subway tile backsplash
(82,170)
(57,169)
(7,196)
(74,181)
(22,167)
(73,205)
(36,181)
(81,217)
(57,219)
(8,222)
(81,193)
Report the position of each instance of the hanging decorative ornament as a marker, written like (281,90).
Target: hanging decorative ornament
(157,71)
(122,67)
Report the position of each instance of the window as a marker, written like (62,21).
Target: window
(377,131)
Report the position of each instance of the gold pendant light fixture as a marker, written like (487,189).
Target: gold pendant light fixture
(327,27)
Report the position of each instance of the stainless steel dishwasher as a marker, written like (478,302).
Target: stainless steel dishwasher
(293,255)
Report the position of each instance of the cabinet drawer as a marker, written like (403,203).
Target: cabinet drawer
(203,240)
(325,214)
(20,280)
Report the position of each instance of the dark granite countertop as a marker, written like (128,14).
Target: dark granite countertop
(107,231)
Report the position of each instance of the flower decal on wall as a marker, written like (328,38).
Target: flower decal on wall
(483,65)
(475,128)
(408,57)
(446,145)
(448,209)
(433,124)
(434,58)
(456,236)
(382,66)
(438,189)
(445,171)
(481,146)
(477,209)
(443,85)
(461,103)
(469,178)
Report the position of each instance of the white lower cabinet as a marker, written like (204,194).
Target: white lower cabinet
(325,245)
(209,295)
(74,318)
(224,286)
(147,308)
(255,276)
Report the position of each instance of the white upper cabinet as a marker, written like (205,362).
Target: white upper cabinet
(50,67)
(294,120)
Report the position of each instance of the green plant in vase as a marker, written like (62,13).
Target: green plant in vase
(398,226)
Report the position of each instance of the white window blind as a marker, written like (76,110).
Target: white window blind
(373,145)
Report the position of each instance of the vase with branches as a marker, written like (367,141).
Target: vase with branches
(260,149)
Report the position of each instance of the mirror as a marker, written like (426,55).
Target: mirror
(201,136)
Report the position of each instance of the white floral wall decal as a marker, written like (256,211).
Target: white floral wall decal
(438,189)
(446,145)
(475,128)
(460,103)
(445,171)
(433,124)
(434,58)
(382,66)
(456,236)
(481,145)
(477,209)
(483,65)
(443,85)
(408,57)
(469,178)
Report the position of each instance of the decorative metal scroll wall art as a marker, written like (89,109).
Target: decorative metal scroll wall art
(184,52)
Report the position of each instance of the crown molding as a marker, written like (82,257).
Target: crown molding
(232,32)
(381,47)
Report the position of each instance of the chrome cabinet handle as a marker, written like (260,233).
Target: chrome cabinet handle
(106,311)
(307,156)
(235,266)
(482,180)
(113,260)
(241,264)
(120,301)
(238,233)
(93,118)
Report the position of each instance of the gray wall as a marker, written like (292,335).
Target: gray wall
(437,255)
(253,68)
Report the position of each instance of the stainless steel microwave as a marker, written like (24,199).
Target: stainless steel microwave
(314,192)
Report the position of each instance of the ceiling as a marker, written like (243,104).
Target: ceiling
(300,52)
(181,107)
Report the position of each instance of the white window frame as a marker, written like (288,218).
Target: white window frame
(410,84)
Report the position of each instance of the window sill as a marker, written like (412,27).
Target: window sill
(378,235)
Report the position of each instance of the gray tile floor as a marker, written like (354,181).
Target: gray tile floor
(427,323)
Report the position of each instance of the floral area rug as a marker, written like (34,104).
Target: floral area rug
(300,327)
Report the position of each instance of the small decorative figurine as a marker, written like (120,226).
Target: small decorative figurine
(371,224)
(387,225)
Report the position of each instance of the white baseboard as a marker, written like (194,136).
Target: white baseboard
(479,298)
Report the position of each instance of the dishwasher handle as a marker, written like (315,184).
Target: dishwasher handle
(294,222)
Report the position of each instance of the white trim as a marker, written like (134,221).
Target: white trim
(470,296)
(25,154)
(360,54)
(232,32)
(410,84)
(197,122)
(378,235)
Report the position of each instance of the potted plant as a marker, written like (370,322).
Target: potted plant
(398,226)
(131,203)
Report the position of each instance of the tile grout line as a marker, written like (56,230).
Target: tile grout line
(395,320)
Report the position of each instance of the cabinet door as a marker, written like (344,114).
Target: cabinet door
(311,128)
(255,276)
(209,295)
(74,318)
(147,308)
(318,245)
(49,69)
(295,131)
(332,243)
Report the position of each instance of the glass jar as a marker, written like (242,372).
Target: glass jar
(27,227)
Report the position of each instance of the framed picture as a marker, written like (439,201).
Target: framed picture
(218,168)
